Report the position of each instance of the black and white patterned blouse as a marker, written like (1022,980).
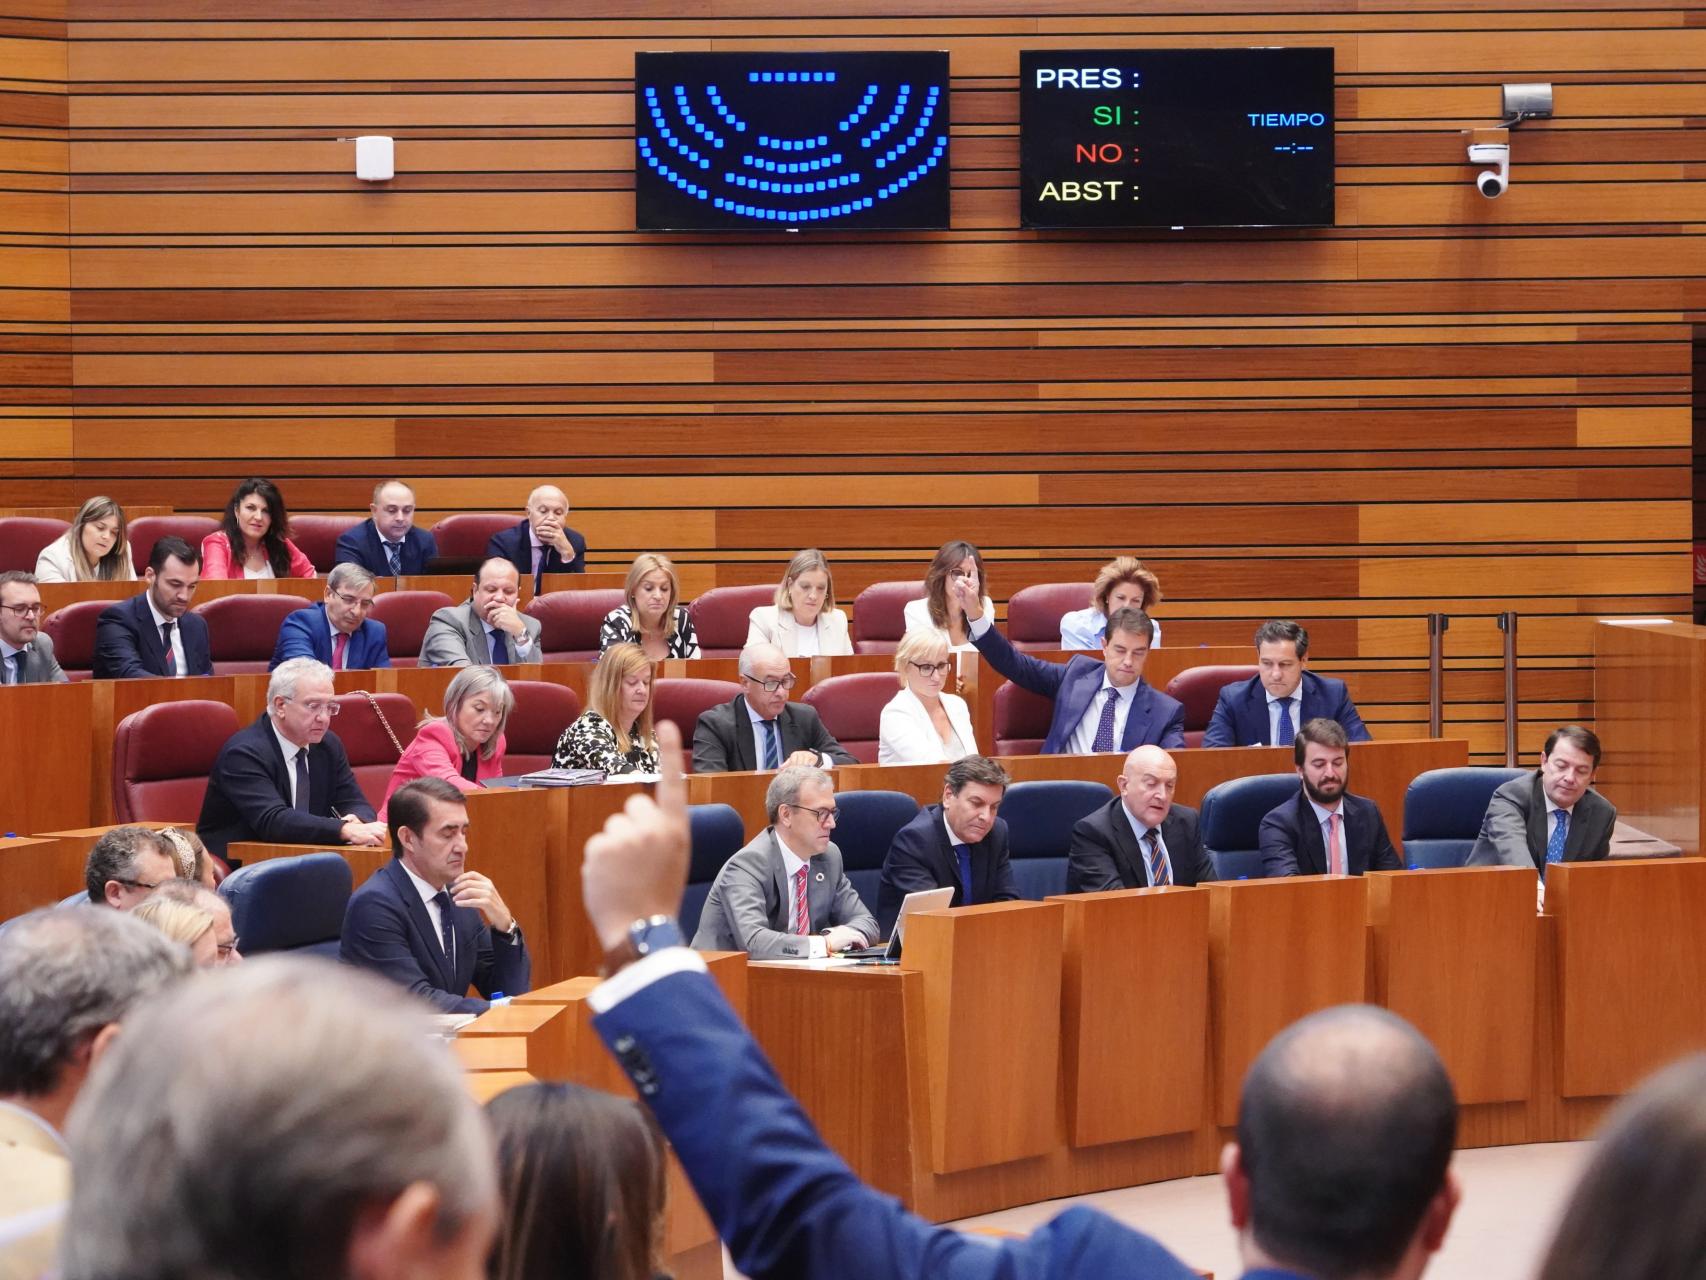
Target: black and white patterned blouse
(618,628)
(590,743)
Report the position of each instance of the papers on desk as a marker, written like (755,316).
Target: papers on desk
(446,1025)
(564,778)
(826,962)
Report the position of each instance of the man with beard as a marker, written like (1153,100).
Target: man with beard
(1326,830)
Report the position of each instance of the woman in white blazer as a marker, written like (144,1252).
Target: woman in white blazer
(937,614)
(94,548)
(804,622)
(921,724)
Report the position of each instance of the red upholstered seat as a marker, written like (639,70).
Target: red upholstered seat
(542,711)
(721,617)
(682,702)
(23,537)
(851,708)
(405,615)
(243,630)
(162,756)
(878,623)
(317,537)
(1021,720)
(466,534)
(1034,613)
(145,531)
(569,622)
(1199,688)
(72,630)
(372,755)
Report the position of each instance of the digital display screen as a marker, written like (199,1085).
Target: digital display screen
(791,141)
(1176,138)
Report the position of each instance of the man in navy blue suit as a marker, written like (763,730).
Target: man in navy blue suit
(1267,709)
(387,544)
(1341,1167)
(959,843)
(428,923)
(1098,705)
(1324,829)
(337,631)
(542,543)
(154,634)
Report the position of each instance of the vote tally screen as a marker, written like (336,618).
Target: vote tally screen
(1176,138)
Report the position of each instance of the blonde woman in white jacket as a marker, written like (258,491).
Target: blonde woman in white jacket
(921,724)
(804,622)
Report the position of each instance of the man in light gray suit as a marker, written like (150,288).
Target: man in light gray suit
(1550,815)
(489,630)
(785,896)
(26,655)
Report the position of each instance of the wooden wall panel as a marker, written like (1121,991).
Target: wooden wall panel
(1442,403)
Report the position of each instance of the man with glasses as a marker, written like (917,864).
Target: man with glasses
(337,631)
(785,896)
(155,634)
(126,865)
(760,728)
(26,655)
(225,939)
(286,779)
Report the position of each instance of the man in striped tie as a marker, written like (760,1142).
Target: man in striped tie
(1325,830)
(1140,839)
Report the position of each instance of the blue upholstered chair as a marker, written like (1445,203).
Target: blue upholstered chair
(864,832)
(1040,817)
(289,904)
(1232,815)
(715,834)
(1443,809)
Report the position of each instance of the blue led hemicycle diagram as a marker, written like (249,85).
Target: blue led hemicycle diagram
(779,141)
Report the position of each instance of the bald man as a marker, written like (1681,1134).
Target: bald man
(542,543)
(1139,839)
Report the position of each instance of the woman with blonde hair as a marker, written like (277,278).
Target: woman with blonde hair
(804,622)
(1123,583)
(937,612)
(466,745)
(921,724)
(614,733)
(183,922)
(96,548)
(654,619)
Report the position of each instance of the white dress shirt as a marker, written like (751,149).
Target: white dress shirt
(1276,709)
(1084,736)
(1142,834)
(265,571)
(1083,628)
(32,1118)
(792,862)
(428,894)
(161,620)
(290,750)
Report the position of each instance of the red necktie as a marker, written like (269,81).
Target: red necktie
(802,911)
(1335,852)
(338,647)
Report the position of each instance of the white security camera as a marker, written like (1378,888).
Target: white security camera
(1492,182)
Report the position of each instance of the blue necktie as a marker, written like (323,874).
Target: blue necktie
(447,934)
(17,671)
(500,650)
(1286,735)
(394,553)
(772,746)
(963,853)
(1560,831)
(1104,740)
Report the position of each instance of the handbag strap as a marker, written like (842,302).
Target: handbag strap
(389,732)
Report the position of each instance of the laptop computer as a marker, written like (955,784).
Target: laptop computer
(889,952)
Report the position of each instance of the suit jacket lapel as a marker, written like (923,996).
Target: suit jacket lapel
(1538,826)
(150,636)
(1309,843)
(1127,855)
(948,862)
(421,919)
(1137,718)
(779,877)
(744,760)
(1256,715)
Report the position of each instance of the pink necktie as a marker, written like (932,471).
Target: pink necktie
(1335,853)
(338,647)
(802,912)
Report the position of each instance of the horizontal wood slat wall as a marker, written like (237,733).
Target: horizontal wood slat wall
(1443,403)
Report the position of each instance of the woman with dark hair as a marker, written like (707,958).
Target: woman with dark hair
(937,611)
(583,1180)
(254,538)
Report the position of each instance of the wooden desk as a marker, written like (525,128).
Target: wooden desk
(34,872)
(1278,949)
(45,732)
(576,814)
(1649,684)
(513,834)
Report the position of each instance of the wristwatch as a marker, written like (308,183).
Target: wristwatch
(644,936)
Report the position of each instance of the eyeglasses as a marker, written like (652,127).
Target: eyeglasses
(139,884)
(364,603)
(319,708)
(770,686)
(932,668)
(228,948)
(825,817)
(23,610)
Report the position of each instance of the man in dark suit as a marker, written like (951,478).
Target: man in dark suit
(285,779)
(154,634)
(1140,839)
(425,921)
(760,728)
(1267,709)
(337,631)
(26,653)
(959,843)
(1321,1181)
(1552,814)
(541,543)
(1325,830)
(387,544)
(1098,705)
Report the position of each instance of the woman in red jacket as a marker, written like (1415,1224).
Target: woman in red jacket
(467,746)
(254,541)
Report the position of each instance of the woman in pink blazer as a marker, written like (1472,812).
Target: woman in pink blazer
(467,746)
(254,538)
